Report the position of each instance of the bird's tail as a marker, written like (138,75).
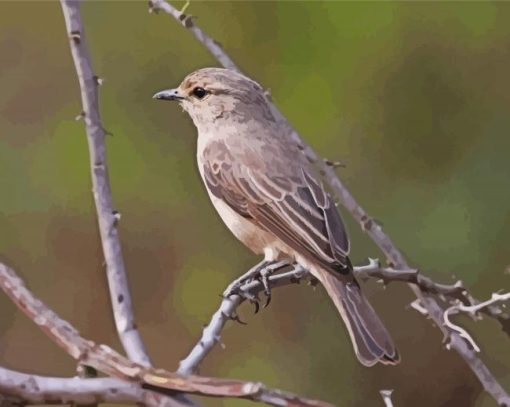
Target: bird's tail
(372,342)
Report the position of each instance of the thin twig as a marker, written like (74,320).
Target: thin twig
(471,310)
(187,21)
(106,215)
(374,230)
(111,363)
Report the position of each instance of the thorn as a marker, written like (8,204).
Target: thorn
(217,339)
(116,217)
(233,317)
(107,133)
(81,116)
(378,222)
(334,164)
(75,36)
(366,223)
(99,81)
(152,7)
(187,20)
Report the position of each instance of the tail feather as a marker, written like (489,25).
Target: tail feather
(371,341)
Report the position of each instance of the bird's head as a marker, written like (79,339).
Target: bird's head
(217,95)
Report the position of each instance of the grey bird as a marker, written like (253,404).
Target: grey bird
(270,197)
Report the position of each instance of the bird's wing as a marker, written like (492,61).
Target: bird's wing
(295,209)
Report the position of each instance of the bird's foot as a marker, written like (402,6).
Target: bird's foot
(235,286)
(260,272)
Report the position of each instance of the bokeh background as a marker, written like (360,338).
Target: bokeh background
(413,97)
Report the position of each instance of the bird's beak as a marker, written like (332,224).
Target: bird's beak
(168,94)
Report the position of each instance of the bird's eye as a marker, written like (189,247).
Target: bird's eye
(199,92)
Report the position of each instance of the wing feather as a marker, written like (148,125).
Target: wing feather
(295,209)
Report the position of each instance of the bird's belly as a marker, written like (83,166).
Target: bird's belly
(251,235)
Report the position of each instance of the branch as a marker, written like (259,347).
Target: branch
(413,276)
(111,363)
(383,241)
(107,216)
(471,310)
(211,334)
(187,21)
(434,309)
(35,389)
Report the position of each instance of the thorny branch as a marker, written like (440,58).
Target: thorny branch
(413,276)
(106,215)
(108,218)
(211,334)
(111,363)
(395,257)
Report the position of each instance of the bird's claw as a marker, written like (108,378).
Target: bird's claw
(237,290)
(253,299)
(264,280)
(261,272)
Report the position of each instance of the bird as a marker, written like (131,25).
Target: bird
(271,197)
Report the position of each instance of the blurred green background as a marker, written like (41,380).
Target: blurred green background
(413,97)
